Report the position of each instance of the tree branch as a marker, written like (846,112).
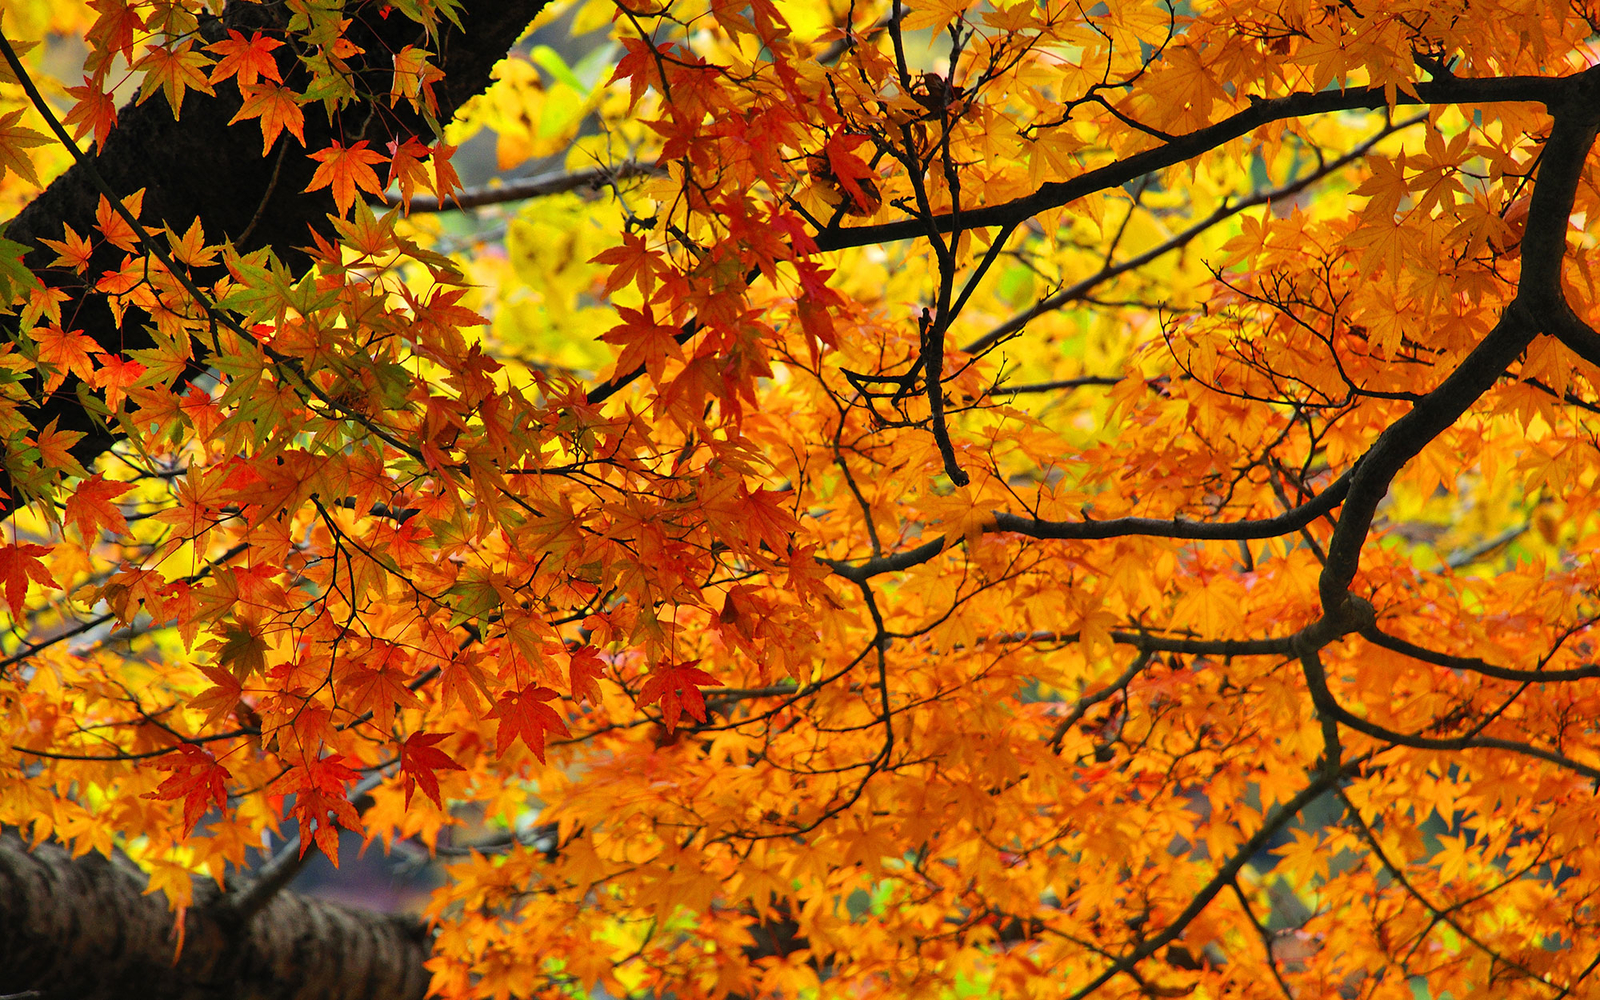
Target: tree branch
(83,928)
(1550,91)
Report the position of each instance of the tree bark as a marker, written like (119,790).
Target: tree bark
(199,166)
(81,929)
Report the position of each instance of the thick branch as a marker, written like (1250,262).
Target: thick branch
(82,928)
(1539,304)
(1474,665)
(1117,527)
(1543,90)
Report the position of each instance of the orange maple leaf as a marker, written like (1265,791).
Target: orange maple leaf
(55,449)
(71,250)
(89,508)
(406,169)
(220,699)
(114,227)
(172,71)
(630,262)
(247,59)
(346,168)
(116,375)
(66,351)
(378,691)
(319,796)
(644,341)
(445,181)
(278,110)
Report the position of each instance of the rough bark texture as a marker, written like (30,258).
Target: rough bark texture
(201,167)
(81,929)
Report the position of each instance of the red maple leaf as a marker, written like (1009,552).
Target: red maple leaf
(319,801)
(18,564)
(854,175)
(677,687)
(586,667)
(419,760)
(445,181)
(523,714)
(196,778)
(406,167)
(90,507)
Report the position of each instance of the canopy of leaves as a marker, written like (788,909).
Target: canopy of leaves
(944,499)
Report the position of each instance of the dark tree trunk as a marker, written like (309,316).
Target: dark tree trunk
(201,167)
(80,929)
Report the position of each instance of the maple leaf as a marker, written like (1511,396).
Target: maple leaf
(583,670)
(346,168)
(193,517)
(278,110)
(406,167)
(18,565)
(320,801)
(219,699)
(190,248)
(854,176)
(14,139)
(414,77)
(176,882)
(632,262)
(963,514)
(197,778)
(242,649)
(172,71)
(934,14)
(55,449)
(116,375)
(113,226)
(638,66)
(420,762)
(524,715)
(247,59)
(644,341)
(89,507)
(676,686)
(445,181)
(378,691)
(165,362)
(72,250)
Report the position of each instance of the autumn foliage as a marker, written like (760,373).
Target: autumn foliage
(942,500)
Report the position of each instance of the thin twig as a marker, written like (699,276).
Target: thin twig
(528,187)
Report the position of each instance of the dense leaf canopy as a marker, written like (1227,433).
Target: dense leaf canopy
(945,500)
